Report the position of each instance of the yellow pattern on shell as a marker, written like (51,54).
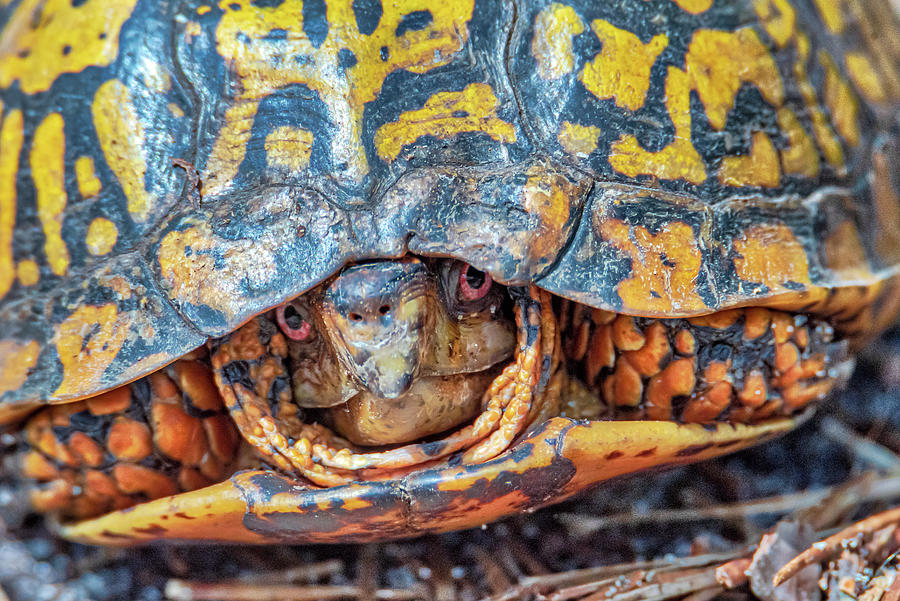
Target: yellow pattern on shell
(759,168)
(831,13)
(121,137)
(29,273)
(549,199)
(85,175)
(864,76)
(622,69)
(289,148)
(578,140)
(194,276)
(551,47)
(887,208)
(841,101)
(176,110)
(695,7)
(11,140)
(678,160)
(770,255)
(101,236)
(778,18)
(828,142)
(719,62)
(446,114)
(665,266)
(230,146)
(66,39)
(47,161)
(801,157)
(155,77)
(261,67)
(16,361)
(87,341)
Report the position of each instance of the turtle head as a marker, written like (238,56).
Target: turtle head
(378,318)
(397,349)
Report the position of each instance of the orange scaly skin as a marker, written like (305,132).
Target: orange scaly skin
(161,435)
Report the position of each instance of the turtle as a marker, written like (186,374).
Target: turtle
(351,270)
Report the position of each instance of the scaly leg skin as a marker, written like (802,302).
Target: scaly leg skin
(249,363)
(160,435)
(737,366)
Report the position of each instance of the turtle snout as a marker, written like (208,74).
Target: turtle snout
(377,315)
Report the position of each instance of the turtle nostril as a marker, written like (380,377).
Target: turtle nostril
(355,317)
(384,309)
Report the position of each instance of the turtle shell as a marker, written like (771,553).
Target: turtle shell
(170,169)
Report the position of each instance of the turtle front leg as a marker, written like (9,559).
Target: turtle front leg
(250,370)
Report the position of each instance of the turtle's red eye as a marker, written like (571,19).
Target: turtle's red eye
(292,323)
(473,284)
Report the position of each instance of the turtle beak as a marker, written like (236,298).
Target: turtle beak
(376,315)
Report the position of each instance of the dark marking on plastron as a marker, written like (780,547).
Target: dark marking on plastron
(108,534)
(152,530)
(309,518)
(694,449)
(267,486)
(729,443)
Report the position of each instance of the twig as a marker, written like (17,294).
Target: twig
(883,488)
(825,548)
(733,573)
(302,573)
(183,590)
(591,578)
(878,456)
